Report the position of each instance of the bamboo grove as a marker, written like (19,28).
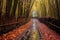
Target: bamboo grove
(15,8)
(47,8)
(14,13)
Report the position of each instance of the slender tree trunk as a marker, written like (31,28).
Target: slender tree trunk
(57,8)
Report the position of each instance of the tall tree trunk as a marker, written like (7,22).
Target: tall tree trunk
(57,8)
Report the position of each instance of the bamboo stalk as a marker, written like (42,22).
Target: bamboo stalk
(12,7)
(4,7)
(16,13)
